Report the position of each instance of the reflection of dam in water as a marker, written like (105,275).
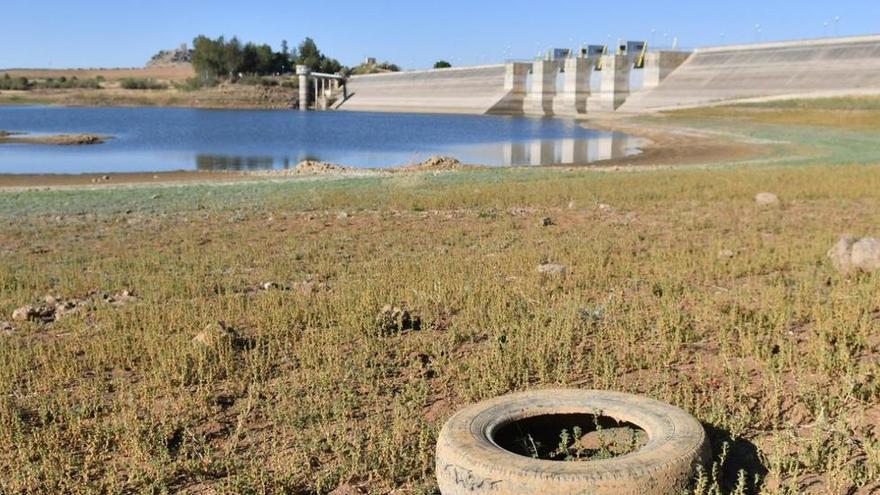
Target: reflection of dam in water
(569,151)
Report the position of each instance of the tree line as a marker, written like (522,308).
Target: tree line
(221,58)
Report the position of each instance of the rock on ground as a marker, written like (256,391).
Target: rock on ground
(24,313)
(866,254)
(347,489)
(726,254)
(215,335)
(6,327)
(850,254)
(766,199)
(552,269)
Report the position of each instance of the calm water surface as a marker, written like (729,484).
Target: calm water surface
(159,139)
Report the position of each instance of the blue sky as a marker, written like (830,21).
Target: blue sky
(412,33)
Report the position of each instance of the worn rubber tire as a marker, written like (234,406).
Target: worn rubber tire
(470,462)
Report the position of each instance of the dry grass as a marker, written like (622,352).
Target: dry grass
(179,72)
(861,113)
(771,349)
(224,96)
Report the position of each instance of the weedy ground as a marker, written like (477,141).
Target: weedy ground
(678,287)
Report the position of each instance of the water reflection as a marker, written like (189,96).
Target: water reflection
(154,139)
(511,154)
(221,162)
(559,151)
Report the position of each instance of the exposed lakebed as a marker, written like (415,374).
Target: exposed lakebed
(162,139)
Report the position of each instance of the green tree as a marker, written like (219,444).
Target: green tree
(208,57)
(442,64)
(250,60)
(233,53)
(310,55)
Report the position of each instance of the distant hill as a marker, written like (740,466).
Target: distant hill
(370,66)
(181,55)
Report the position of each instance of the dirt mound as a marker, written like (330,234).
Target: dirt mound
(435,163)
(312,167)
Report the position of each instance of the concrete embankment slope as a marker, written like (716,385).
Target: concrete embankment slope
(470,90)
(825,67)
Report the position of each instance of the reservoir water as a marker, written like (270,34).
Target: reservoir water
(162,139)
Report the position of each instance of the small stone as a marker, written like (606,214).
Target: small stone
(347,489)
(155,196)
(64,309)
(106,177)
(121,298)
(726,254)
(572,205)
(604,207)
(766,199)
(552,269)
(24,313)
(271,286)
(342,215)
(214,335)
(51,300)
(546,222)
(6,327)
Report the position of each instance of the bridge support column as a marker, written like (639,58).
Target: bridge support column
(303,72)
(539,99)
(576,87)
(615,84)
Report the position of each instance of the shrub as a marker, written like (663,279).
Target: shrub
(65,83)
(197,83)
(442,64)
(142,84)
(14,83)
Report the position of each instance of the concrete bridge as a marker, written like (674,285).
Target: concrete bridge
(318,89)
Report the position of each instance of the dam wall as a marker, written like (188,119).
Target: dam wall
(468,90)
(813,68)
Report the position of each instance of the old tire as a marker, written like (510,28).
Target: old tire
(469,461)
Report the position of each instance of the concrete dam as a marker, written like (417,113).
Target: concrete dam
(579,85)
(797,69)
